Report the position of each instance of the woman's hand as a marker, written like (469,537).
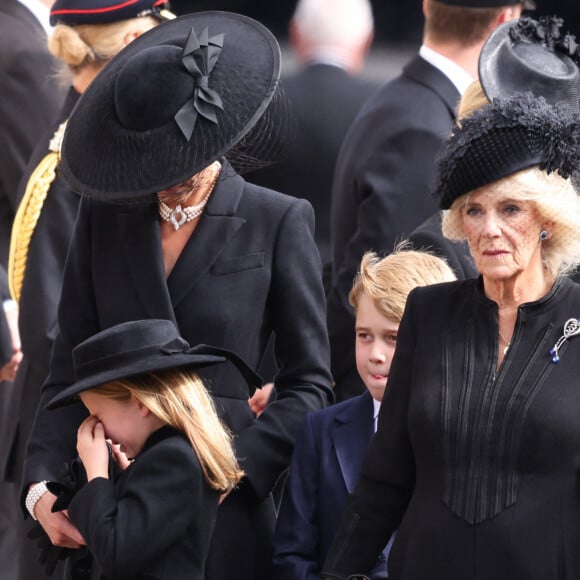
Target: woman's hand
(60,530)
(92,448)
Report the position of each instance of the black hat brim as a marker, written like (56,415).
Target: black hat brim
(103,158)
(155,363)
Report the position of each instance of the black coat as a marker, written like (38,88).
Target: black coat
(251,267)
(382,189)
(40,293)
(154,522)
(476,467)
(323,100)
(29,102)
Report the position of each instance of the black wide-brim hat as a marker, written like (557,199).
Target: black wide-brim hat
(169,104)
(505,137)
(534,56)
(139,347)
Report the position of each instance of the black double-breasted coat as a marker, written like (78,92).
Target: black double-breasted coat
(251,267)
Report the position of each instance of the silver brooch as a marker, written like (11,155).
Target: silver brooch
(571,328)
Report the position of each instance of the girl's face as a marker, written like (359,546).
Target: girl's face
(503,234)
(126,422)
(376,338)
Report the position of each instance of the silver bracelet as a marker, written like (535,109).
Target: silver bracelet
(35,492)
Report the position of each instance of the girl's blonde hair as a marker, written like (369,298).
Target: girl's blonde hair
(554,198)
(179,398)
(388,281)
(94,44)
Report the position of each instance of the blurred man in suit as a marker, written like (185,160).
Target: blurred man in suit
(29,98)
(382,184)
(330,39)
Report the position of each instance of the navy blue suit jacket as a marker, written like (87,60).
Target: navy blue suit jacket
(326,462)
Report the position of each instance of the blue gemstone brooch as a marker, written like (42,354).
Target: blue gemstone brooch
(571,328)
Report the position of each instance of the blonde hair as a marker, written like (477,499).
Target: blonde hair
(472,99)
(388,281)
(178,398)
(555,200)
(94,44)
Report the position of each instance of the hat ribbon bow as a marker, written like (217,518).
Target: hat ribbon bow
(199,57)
(180,346)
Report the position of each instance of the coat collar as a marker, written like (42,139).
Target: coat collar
(419,70)
(141,242)
(352,431)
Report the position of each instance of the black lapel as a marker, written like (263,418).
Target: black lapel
(425,73)
(141,245)
(216,228)
(351,435)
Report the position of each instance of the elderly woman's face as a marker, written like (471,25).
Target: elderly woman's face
(503,233)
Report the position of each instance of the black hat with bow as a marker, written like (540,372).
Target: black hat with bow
(505,137)
(169,104)
(139,347)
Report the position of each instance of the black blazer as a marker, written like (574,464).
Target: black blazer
(155,522)
(323,100)
(382,189)
(325,467)
(476,466)
(29,101)
(251,267)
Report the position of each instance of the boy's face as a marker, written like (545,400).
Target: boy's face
(376,338)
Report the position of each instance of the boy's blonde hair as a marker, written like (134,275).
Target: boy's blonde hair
(179,398)
(388,281)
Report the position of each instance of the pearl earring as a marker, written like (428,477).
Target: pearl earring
(543,235)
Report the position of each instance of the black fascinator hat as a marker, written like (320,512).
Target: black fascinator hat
(138,347)
(169,104)
(505,137)
(535,56)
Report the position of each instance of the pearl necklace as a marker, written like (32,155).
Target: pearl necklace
(183,214)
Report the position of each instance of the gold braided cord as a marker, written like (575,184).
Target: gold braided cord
(26,219)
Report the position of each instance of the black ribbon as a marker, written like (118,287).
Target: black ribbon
(199,57)
(253,380)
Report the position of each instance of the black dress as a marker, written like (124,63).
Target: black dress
(476,465)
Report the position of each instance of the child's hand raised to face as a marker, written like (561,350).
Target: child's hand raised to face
(92,448)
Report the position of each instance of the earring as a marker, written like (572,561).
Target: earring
(543,235)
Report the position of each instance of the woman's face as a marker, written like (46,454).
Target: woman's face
(503,234)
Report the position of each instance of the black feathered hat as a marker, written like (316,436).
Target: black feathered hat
(75,12)
(535,56)
(505,137)
(139,347)
(169,104)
